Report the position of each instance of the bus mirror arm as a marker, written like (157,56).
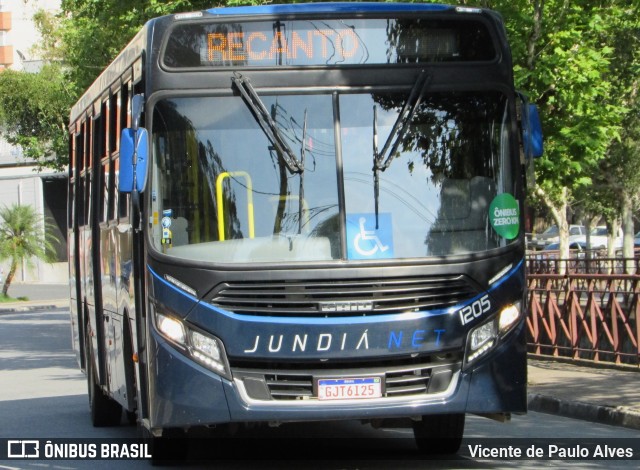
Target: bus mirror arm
(136,211)
(137,105)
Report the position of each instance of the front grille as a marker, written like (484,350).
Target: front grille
(404,379)
(289,386)
(408,382)
(343,297)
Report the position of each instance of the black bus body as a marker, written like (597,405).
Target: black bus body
(302,213)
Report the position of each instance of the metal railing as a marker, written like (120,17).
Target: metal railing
(588,313)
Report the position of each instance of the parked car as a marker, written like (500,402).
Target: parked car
(552,235)
(547,260)
(599,238)
(577,249)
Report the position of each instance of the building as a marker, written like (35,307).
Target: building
(19,181)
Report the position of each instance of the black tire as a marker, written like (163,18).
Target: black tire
(132,418)
(104,410)
(439,434)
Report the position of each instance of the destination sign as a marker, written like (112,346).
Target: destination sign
(327,42)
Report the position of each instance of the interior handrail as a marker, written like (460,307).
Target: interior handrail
(220,201)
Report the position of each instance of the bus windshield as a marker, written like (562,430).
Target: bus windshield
(223,193)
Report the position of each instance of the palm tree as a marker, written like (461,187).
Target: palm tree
(23,238)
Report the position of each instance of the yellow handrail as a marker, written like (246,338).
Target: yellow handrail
(219,180)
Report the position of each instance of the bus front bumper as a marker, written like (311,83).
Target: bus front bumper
(185,394)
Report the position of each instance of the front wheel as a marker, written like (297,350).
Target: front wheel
(439,434)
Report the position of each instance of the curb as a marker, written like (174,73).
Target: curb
(613,416)
(29,308)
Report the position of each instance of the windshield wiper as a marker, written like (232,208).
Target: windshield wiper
(266,122)
(382,160)
(301,189)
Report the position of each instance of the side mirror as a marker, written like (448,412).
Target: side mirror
(134,156)
(532,131)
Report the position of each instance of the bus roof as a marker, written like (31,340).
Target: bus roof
(328,7)
(128,55)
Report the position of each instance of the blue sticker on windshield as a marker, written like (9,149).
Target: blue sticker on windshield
(364,241)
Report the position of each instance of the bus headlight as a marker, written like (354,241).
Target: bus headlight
(481,339)
(485,337)
(171,328)
(204,348)
(207,350)
(508,318)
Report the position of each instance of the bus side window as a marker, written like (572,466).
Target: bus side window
(113,124)
(105,181)
(74,175)
(102,169)
(93,170)
(109,190)
(98,175)
(124,120)
(112,130)
(84,181)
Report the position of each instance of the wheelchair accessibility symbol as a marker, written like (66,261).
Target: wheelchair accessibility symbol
(364,241)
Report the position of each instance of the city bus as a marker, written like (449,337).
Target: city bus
(303,213)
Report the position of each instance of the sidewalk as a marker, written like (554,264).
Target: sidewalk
(41,297)
(599,394)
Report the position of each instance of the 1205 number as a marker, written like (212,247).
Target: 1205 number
(475,310)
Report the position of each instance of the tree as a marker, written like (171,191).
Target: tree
(620,170)
(23,237)
(91,33)
(570,57)
(564,58)
(574,89)
(78,44)
(614,193)
(34,109)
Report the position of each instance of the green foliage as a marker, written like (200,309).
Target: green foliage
(92,32)
(85,37)
(567,71)
(578,60)
(23,238)
(6,298)
(620,171)
(34,110)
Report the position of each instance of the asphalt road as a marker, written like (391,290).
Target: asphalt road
(43,396)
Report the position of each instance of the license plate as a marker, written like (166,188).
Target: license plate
(349,389)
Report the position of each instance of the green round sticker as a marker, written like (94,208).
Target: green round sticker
(504,215)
